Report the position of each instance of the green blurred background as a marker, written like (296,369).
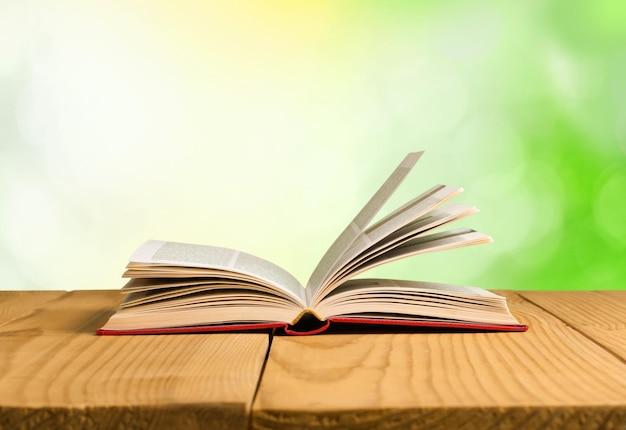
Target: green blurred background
(265,126)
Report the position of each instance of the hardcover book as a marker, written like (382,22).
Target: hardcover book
(188,288)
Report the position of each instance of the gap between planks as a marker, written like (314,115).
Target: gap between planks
(569,322)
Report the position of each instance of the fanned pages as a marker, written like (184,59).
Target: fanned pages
(188,288)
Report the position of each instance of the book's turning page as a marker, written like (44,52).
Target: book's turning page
(359,224)
(368,252)
(400,234)
(378,238)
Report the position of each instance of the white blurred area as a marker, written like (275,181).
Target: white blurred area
(124,123)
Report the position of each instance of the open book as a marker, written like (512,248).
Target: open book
(186,288)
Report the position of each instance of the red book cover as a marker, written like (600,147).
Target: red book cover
(335,325)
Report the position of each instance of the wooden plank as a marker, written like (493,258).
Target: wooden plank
(56,373)
(549,377)
(600,315)
(56,312)
(19,304)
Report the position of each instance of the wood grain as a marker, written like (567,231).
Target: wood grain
(600,315)
(20,304)
(56,373)
(549,377)
(55,312)
(568,371)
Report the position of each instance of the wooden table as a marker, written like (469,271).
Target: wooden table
(568,371)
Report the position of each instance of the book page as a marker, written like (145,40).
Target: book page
(223,259)
(401,217)
(241,310)
(367,285)
(396,236)
(359,223)
(434,242)
(165,288)
(413,300)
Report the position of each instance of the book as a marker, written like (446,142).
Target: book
(189,288)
